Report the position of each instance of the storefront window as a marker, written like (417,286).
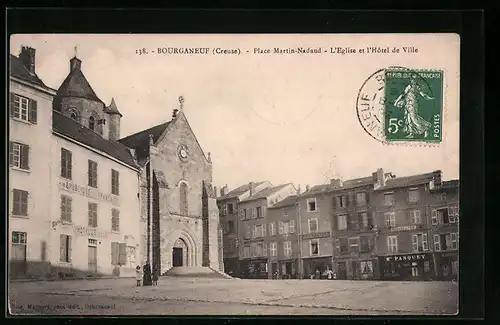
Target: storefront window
(366,267)
(454,267)
(427,266)
(414,269)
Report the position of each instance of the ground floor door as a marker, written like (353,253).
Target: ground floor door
(177,256)
(93,259)
(274,270)
(341,271)
(18,259)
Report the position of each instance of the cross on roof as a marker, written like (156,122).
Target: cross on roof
(181,101)
(76,50)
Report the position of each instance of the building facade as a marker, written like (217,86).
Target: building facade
(283,239)
(403,219)
(30,106)
(228,203)
(252,232)
(315,229)
(444,232)
(89,223)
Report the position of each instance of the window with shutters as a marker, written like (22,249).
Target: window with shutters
(311,205)
(419,242)
(246,251)
(230,226)
(243,214)
(131,256)
(361,198)
(342,222)
(342,245)
(415,217)
(287,248)
(115,220)
(437,243)
(92,173)
(342,201)
(313,225)
(413,195)
(453,214)
(353,222)
(259,212)
(272,229)
(184,201)
(65,248)
(366,220)
(388,199)
(260,249)
(354,245)
(291,226)
(230,208)
(20,202)
(364,244)
(115,182)
(390,219)
(66,163)
(392,244)
(285,212)
(92,214)
(66,208)
(19,155)
(314,247)
(273,249)
(19,245)
(254,213)
(248,231)
(23,108)
(118,253)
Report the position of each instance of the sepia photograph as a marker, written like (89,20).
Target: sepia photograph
(225,174)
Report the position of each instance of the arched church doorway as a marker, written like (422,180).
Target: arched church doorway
(180,253)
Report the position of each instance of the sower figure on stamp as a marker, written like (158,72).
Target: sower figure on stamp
(414,124)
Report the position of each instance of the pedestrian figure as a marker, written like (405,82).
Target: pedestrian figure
(329,274)
(147,275)
(138,275)
(318,274)
(155,276)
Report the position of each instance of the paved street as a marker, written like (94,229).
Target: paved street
(190,296)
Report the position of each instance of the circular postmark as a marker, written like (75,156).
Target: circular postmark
(379,100)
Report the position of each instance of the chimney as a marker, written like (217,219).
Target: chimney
(251,186)
(223,190)
(335,182)
(437,175)
(27,57)
(298,190)
(379,178)
(215,191)
(75,64)
(307,188)
(174,113)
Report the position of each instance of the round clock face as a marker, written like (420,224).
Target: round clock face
(183,152)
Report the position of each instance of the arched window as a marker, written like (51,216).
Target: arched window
(74,114)
(183,198)
(92,123)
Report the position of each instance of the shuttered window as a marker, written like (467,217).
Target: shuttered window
(92,214)
(19,155)
(66,163)
(20,206)
(23,108)
(66,208)
(92,173)
(115,220)
(115,182)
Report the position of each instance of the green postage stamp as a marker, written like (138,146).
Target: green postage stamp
(397,105)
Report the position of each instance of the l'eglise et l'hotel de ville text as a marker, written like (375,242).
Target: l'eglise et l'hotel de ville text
(85,202)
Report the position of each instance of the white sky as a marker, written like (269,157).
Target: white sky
(282,118)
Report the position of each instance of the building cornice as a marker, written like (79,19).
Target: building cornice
(46,90)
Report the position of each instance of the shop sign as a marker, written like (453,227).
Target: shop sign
(90,232)
(316,235)
(412,257)
(404,228)
(449,254)
(88,191)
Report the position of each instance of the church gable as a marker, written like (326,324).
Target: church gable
(179,140)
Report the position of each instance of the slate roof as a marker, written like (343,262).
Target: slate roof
(140,140)
(448,185)
(18,70)
(407,181)
(238,191)
(78,132)
(265,192)
(288,201)
(76,85)
(112,108)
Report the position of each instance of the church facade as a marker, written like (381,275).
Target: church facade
(179,214)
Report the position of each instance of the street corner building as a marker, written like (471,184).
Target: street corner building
(83,202)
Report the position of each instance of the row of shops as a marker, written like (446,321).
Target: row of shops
(424,266)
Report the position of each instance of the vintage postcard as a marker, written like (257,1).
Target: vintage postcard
(311,174)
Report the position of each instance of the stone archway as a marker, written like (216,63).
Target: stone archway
(191,253)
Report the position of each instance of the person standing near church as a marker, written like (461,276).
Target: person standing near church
(138,275)
(156,275)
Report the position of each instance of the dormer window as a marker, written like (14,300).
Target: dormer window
(74,114)
(92,123)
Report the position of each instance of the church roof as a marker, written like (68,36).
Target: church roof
(140,140)
(18,70)
(76,85)
(112,109)
(74,130)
